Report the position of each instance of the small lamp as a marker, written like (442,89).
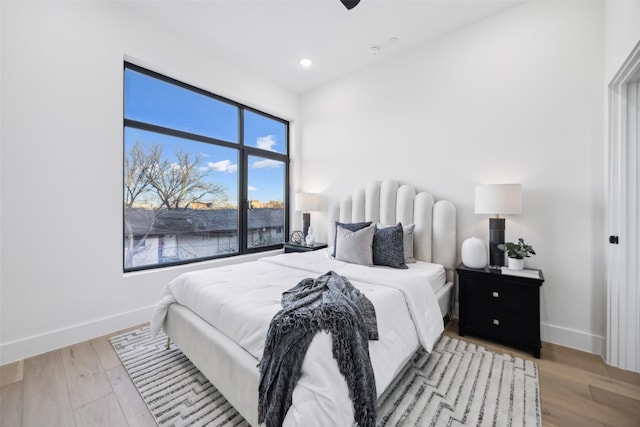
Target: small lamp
(306,202)
(498,199)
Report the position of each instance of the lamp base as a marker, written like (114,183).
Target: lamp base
(496,237)
(306,221)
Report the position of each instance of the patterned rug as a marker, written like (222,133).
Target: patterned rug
(458,384)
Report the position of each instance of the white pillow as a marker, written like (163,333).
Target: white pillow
(407,240)
(355,247)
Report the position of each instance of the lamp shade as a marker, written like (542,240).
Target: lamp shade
(307,202)
(498,199)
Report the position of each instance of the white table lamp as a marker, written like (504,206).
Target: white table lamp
(497,199)
(306,202)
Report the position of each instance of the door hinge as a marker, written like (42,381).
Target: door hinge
(613,240)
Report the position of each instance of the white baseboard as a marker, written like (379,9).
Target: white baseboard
(38,344)
(578,340)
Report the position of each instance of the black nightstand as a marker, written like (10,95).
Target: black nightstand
(500,307)
(299,247)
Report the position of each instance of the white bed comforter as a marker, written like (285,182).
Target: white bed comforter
(240,300)
(421,302)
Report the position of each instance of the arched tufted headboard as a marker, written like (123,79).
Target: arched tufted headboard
(387,202)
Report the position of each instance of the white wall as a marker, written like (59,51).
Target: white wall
(515,98)
(61,174)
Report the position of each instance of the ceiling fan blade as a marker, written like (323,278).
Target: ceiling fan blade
(350,4)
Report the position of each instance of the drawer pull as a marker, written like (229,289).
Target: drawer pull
(496,322)
(495,294)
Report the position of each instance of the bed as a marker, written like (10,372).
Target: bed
(219,317)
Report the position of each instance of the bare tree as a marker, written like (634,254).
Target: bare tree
(138,162)
(137,180)
(163,185)
(180,183)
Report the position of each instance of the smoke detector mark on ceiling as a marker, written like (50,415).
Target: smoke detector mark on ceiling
(374,49)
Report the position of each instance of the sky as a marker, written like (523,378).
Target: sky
(161,103)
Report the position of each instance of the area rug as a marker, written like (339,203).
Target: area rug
(458,384)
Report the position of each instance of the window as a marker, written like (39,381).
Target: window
(265,215)
(204,177)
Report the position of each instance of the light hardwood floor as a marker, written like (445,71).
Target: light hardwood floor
(86,385)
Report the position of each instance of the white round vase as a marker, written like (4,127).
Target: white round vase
(310,237)
(474,253)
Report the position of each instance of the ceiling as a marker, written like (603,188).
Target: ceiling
(271,36)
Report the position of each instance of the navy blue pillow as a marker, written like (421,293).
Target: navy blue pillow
(388,247)
(351,226)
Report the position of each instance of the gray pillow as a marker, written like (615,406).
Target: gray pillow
(388,247)
(407,234)
(407,240)
(351,226)
(355,247)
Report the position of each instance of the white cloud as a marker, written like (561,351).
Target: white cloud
(252,188)
(266,163)
(223,166)
(266,142)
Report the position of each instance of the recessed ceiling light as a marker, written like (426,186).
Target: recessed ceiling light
(306,62)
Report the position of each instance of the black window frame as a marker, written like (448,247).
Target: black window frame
(244,152)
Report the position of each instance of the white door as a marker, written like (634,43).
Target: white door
(623,253)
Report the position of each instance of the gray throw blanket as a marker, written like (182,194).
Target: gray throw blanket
(331,303)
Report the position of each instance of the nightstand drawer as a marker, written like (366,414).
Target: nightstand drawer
(510,296)
(508,326)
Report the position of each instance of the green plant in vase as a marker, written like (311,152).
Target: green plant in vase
(517,252)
